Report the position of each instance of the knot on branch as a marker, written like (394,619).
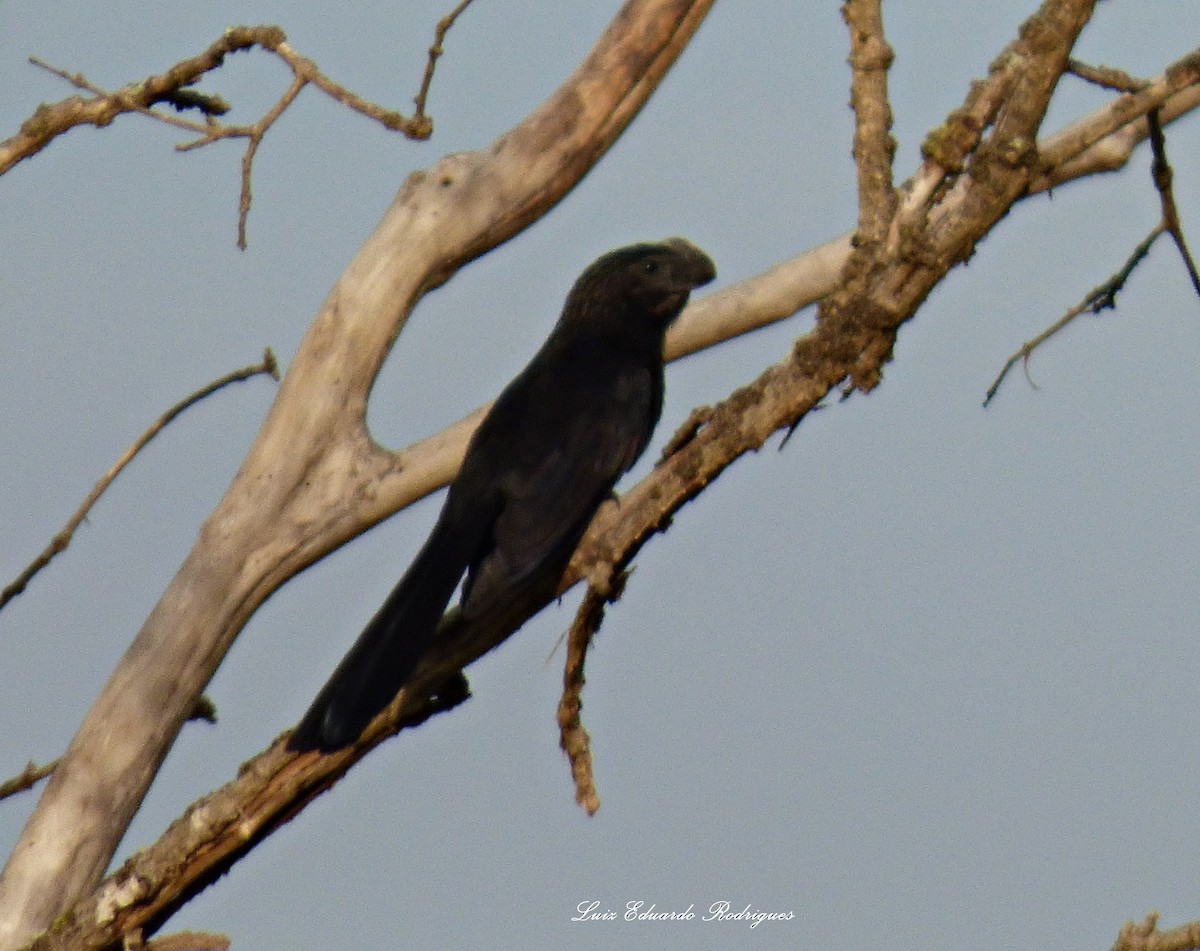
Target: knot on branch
(871,52)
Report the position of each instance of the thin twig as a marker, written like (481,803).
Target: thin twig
(1105,296)
(29,777)
(1099,298)
(1107,76)
(435,51)
(59,542)
(1163,176)
(171,88)
(79,81)
(256,137)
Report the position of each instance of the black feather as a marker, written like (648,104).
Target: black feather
(542,461)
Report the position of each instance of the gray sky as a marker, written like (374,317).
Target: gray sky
(926,674)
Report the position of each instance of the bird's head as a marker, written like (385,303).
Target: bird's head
(643,281)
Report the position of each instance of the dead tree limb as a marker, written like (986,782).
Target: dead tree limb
(313,478)
(173,88)
(1104,296)
(1099,142)
(62,539)
(294,497)
(306,485)
(103,106)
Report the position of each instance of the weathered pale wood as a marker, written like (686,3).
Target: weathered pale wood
(306,483)
(884,288)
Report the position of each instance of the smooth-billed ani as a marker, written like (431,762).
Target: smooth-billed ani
(544,458)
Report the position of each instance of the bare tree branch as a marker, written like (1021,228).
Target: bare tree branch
(852,340)
(60,541)
(874,148)
(1107,76)
(289,508)
(308,482)
(1146,936)
(1104,296)
(49,122)
(1164,177)
(33,774)
(185,941)
(786,288)
(1104,140)
(435,52)
(216,831)
(29,777)
(606,584)
(572,736)
(1098,299)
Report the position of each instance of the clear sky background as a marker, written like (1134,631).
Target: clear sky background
(924,677)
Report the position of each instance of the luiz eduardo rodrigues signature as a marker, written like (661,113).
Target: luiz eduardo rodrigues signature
(638,910)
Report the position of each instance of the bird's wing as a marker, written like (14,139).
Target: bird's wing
(549,500)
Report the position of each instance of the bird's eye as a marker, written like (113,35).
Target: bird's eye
(650,267)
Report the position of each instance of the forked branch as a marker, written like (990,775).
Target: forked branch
(289,508)
(173,88)
(1104,296)
(309,483)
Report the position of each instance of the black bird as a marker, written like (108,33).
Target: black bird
(544,458)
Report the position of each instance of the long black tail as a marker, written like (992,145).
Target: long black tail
(383,657)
